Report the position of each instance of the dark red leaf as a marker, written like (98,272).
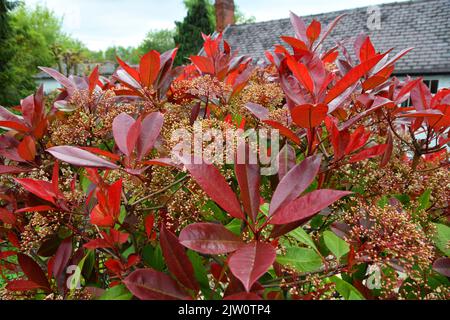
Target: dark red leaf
(243,296)
(442,265)
(252,261)
(126,133)
(248,177)
(262,113)
(286,160)
(148,284)
(62,257)
(176,259)
(209,238)
(307,206)
(33,271)
(23,285)
(295,182)
(214,185)
(151,128)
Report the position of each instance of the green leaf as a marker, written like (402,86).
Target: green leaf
(346,290)
(442,238)
(235,226)
(424,200)
(301,259)
(300,235)
(335,244)
(264,208)
(119,292)
(153,257)
(383,201)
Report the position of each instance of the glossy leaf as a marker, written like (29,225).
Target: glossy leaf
(177,260)
(148,284)
(80,157)
(214,185)
(307,206)
(294,183)
(209,238)
(308,115)
(252,261)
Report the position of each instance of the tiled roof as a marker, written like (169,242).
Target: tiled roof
(422,24)
(105,69)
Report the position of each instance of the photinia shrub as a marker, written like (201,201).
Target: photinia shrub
(98,202)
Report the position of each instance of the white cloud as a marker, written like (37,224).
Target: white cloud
(103,23)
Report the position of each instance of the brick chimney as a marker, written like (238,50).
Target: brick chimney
(224,14)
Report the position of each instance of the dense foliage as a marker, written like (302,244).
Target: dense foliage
(95,205)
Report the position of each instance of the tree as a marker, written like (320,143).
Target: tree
(159,40)
(6,49)
(188,34)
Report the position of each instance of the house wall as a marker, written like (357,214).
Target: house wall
(49,84)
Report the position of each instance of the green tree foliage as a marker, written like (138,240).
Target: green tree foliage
(159,40)
(188,32)
(35,38)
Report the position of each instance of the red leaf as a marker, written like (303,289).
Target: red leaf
(367,51)
(262,113)
(176,259)
(14,125)
(93,79)
(80,157)
(295,182)
(248,177)
(369,153)
(388,152)
(42,189)
(101,152)
(149,222)
(33,271)
(68,84)
(352,77)
(204,64)
(421,96)
(12,169)
(7,217)
(148,284)
(126,132)
(313,31)
(35,209)
(62,257)
(97,244)
(286,160)
(442,265)
(209,238)
(408,86)
(149,68)
(22,285)
(214,185)
(295,43)
(252,261)
(27,149)
(309,116)
(302,74)
(131,71)
(299,26)
(151,128)
(288,133)
(307,206)
(250,296)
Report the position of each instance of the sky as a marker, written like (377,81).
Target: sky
(103,23)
